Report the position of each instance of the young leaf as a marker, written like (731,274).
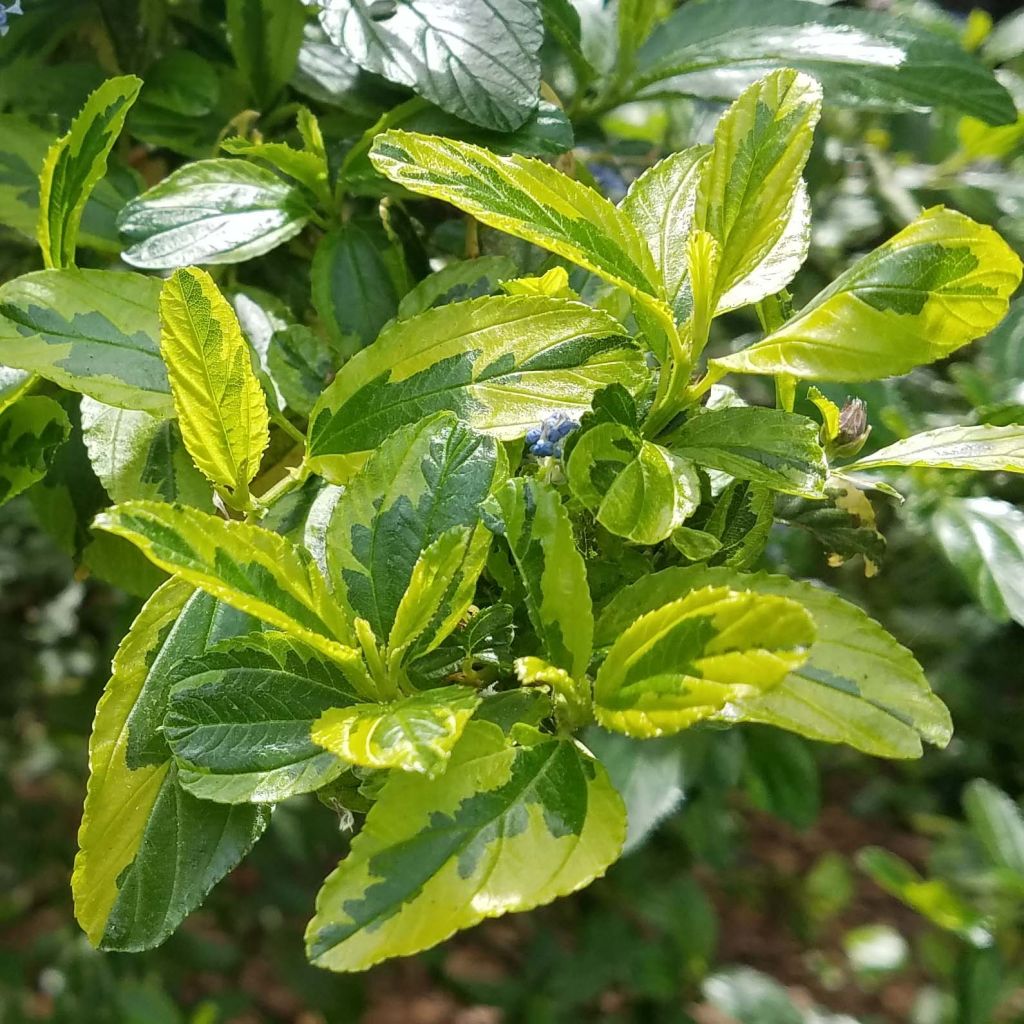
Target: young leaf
(984,539)
(93,331)
(23,147)
(637,489)
(864,59)
(265,36)
(148,851)
(136,455)
(767,446)
(740,523)
(31,431)
(211,211)
(858,686)
(695,657)
(424,480)
(220,403)
(474,58)
(529,514)
(309,169)
(415,734)
(983,447)
(353,291)
(464,279)
(250,568)
(526,198)
(661,204)
(943,281)
(501,364)
(506,828)
(751,199)
(440,589)
(239,718)
(75,164)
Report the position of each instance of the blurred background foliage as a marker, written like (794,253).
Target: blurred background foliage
(770,881)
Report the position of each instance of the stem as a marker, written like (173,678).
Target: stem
(386,688)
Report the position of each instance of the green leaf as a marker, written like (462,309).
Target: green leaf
(148,851)
(934,898)
(136,455)
(651,776)
(415,734)
(75,164)
(637,489)
(252,569)
(299,364)
(529,514)
(635,20)
(506,828)
(781,776)
(984,447)
(500,363)
(661,203)
(858,686)
(23,147)
(93,331)
(219,401)
(751,199)
(31,431)
(996,819)
(240,715)
(474,58)
(309,169)
(265,36)
(424,481)
(984,539)
(353,291)
(211,211)
(696,657)
(440,590)
(13,385)
(740,522)
(767,446)
(464,279)
(943,281)
(869,60)
(526,198)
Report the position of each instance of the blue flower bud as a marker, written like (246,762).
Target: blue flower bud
(533,435)
(542,449)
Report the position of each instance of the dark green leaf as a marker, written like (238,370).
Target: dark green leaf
(31,431)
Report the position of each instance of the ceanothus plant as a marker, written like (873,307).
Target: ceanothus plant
(417,614)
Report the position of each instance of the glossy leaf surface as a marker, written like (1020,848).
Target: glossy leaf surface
(474,58)
(250,568)
(93,331)
(858,686)
(943,281)
(526,198)
(501,364)
(767,446)
(415,734)
(506,828)
(863,59)
(637,489)
(530,516)
(982,447)
(695,657)
(425,480)
(150,852)
(75,164)
(212,211)
(136,455)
